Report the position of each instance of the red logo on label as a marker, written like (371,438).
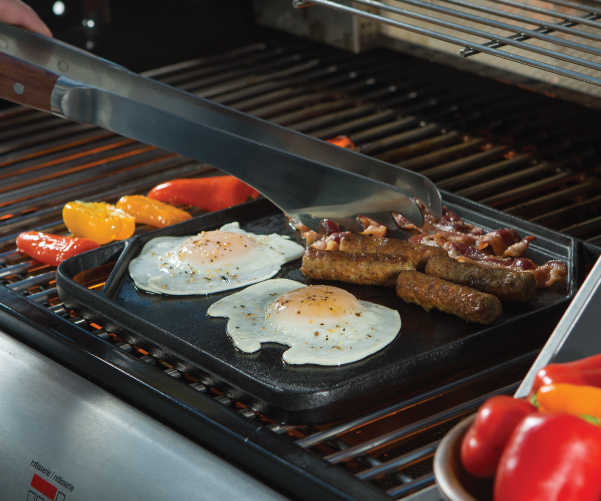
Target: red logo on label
(43,486)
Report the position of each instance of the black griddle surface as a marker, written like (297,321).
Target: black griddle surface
(430,345)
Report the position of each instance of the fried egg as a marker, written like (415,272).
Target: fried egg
(320,324)
(212,261)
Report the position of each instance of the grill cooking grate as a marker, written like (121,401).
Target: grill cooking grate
(524,153)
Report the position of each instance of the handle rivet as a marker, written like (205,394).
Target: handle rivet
(19,88)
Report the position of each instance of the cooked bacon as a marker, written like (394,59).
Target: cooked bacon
(518,249)
(499,240)
(372,228)
(330,240)
(551,272)
(503,248)
(449,223)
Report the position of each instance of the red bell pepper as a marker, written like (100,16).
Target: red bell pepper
(208,193)
(550,457)
(584,371)
(484,441)
(52,249)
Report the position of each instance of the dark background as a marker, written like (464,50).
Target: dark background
(150,34)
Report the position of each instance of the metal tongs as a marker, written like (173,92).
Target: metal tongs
(308,179)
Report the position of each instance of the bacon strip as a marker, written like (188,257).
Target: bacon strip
(502,248)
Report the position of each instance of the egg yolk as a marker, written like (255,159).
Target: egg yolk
(216,247)
(314,303)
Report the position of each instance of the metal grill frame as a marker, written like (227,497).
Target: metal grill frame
(495,42)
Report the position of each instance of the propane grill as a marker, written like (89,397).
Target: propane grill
(523,153)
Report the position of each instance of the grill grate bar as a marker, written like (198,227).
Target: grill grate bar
(44,296)
(406,489)
(16,269)
(33,281)
(461,382)
(572,211)
(395,464)
(465,408)
(583,227)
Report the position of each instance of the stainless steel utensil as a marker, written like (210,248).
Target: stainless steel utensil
(577,333)
(307,178)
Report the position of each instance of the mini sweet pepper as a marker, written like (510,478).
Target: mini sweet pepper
(52,249)
(153,212)
(583,371)
(485,440)
(99,221)
(575,399)
(208,193)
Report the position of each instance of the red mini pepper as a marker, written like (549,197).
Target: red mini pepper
(208,193)
(483,443)
(584,371)
(550,457)
(52,249)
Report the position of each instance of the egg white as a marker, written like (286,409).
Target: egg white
(356,333)
(211,261)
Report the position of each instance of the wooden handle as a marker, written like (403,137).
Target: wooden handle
(26,84)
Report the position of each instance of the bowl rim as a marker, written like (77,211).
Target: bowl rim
(446,459)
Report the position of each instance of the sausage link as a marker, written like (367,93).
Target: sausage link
(507,285)
(418,253)
(367,269)
(431,292)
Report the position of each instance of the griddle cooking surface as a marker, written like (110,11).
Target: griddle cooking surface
(429,345)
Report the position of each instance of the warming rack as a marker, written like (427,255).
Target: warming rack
(549,34)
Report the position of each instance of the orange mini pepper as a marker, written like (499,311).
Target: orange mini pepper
(152,212)
(567,398)
(99,221)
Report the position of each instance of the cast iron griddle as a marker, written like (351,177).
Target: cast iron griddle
(429,345)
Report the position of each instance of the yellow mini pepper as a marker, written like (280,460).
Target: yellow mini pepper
(99,221)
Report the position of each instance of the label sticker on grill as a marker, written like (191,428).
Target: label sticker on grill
(42,489)
(43,486)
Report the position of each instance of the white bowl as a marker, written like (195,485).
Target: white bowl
(454,482)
